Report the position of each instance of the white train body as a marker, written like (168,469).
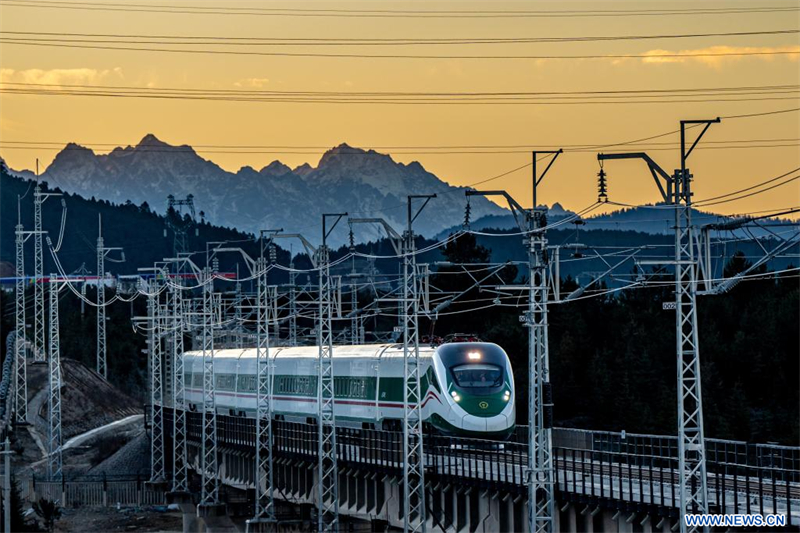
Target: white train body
(467,388)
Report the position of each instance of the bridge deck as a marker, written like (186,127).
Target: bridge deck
(590,466)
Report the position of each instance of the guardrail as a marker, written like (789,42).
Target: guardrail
(99,492)
(6,384)
(590,466)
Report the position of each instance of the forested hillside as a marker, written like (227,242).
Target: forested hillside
(612,355)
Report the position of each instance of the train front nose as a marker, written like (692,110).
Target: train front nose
(479,387)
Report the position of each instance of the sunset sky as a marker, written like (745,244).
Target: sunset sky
(768,146)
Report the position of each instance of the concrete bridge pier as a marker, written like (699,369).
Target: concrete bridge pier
(191,523)
(214,518)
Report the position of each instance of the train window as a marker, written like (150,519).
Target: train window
(225,381)
(478,376)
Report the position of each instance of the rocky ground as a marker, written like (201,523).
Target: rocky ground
(97,420)
(128,519)
(87,400)
(103,434)
(132,459)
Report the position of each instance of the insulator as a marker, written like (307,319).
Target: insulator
(467,212)
(273,254)
(215,264)
(352,240)
(602,186)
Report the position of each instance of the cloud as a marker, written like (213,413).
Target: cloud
(256,83)
(685,56)
(59,76)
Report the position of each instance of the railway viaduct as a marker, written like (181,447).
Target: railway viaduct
(605,481)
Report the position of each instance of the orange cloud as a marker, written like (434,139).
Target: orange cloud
(716,60)
(255,83)
(59,76)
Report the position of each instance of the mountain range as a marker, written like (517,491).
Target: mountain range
(363,183)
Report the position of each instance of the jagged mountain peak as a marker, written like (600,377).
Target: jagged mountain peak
(152,144)
(303,170)
(151,140)
(275,169)
(72,153)
(347,156)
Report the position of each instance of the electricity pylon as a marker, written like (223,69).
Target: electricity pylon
(210,489)
(414,515)
(414,462)
(154,326)
(54,463)
(292,341)
(328,483)
(154,315)
(20,342)
(177,223)
(180,325)
(102,252)
(691,440)
(179,459)
(39,351)
(264,518)
(539,472)
(264,483)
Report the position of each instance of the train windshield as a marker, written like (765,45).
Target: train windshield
(478,376)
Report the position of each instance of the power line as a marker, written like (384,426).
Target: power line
(68,44)
(751,187)
(787,181)
(767,113)
(777,96)
(386,13)
(350,41)
(626,92)
(389,147)
(190,150)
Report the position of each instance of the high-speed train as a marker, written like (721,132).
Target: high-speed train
(467,388)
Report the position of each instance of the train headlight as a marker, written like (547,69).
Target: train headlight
(474,356)
(455,396)
(507,395)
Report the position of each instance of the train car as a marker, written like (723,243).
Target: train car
(467,388)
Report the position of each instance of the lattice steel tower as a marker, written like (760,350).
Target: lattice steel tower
(54,463)
(328,483)
(414,461)
(265,506)
(20,343)
(691,439)
(210,490)
(179,226)
(540,475)
(154,321)
(414,510)
(39,343)
(292,341)
(179,459)
(102,252)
